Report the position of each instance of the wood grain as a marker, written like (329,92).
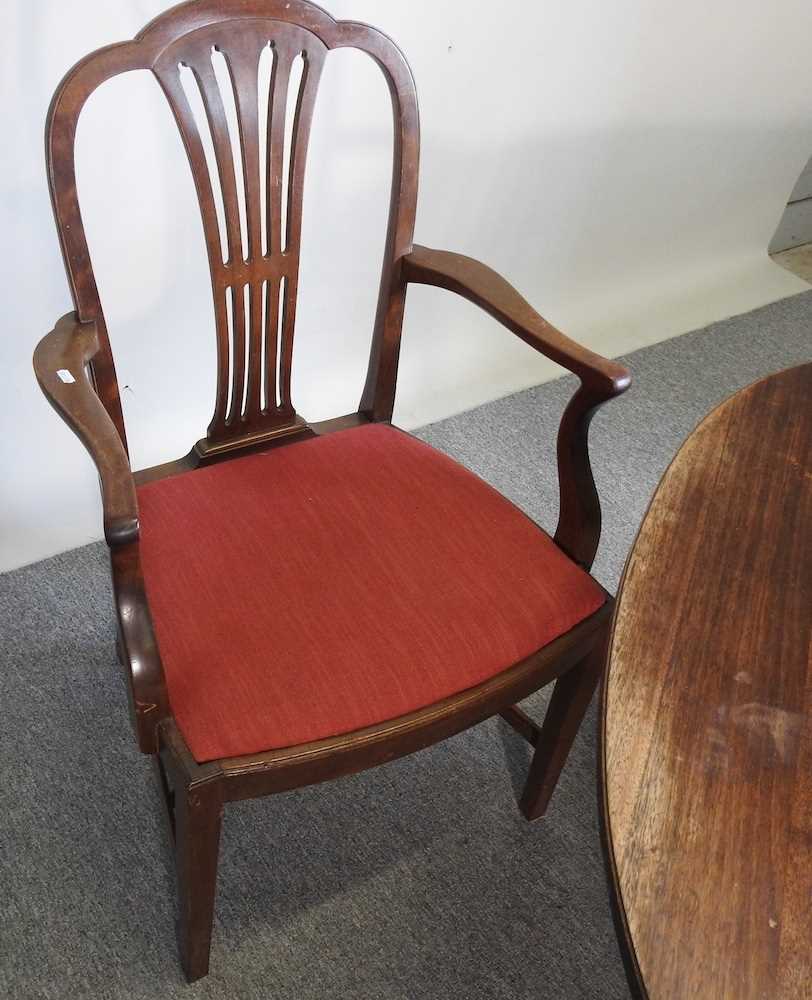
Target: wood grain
(253,407)
(707,721)
(579,519)
(185,38)
(60,365)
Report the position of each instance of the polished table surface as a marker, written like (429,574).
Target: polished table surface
(707,712)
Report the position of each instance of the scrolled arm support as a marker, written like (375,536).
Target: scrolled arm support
(579,522)
(59,363)
(138,648)
(579,510)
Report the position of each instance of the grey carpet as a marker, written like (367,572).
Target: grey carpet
(416,880)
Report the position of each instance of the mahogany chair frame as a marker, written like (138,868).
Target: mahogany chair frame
(75,369)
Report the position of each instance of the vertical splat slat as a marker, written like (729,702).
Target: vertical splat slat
(288,321)
(218,124)
(237,354)
(253,394)
(276,144)
(271,328)
(169,78)
(243,63)
(218,420)
(170,81)
(300,136)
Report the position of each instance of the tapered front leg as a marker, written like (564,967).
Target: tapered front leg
(198,816)
(570,699)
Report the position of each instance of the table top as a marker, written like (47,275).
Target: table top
(707,711)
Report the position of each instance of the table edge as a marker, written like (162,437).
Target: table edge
(628,953)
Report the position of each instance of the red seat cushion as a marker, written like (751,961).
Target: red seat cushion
(338,582)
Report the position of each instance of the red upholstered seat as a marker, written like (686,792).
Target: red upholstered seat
(338,582)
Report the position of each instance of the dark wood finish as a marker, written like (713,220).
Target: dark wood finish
(138,647)
(167,796)
(569,701)
(186,37)
(292,767)
(707,714)
(250,262)
(522,723)
(579,520)
(196,807)
(198,815)
(68,350)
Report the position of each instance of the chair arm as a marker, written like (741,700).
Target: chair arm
(138,648)
(59,364)
(579,521)
(489,290)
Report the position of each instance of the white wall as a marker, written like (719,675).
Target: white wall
(623,163)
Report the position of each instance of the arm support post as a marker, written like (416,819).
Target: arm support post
(579,522)
(60,361)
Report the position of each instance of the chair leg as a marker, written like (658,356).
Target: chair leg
(167,797)
(198,815)
(570,699)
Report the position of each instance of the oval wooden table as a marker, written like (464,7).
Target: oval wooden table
(707,712)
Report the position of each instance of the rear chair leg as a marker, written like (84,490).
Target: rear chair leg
(570,699)
(198,815)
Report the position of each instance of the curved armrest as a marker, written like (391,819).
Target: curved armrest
(59,363)
(579,521)
(487,289)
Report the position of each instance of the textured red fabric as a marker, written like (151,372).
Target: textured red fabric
(338,582)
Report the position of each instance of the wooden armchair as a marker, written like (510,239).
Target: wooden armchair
(298,601)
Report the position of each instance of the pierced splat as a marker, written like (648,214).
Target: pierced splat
(253,234)
(241,77)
